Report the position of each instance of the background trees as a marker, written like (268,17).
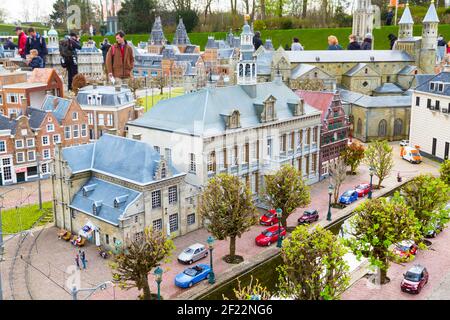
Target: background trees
(353,154)
(444,171)
(314,267)
(376,225)
(90,14)
(378,155)
(136,16)
(132,266)
(286,189)
(227,206)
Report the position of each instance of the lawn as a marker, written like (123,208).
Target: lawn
(157,97)
(9,29)
(23,218)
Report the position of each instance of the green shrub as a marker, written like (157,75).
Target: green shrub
(259,25)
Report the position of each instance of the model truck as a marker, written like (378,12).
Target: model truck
(411,154)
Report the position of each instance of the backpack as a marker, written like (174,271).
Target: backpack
(40,42)
(65,48)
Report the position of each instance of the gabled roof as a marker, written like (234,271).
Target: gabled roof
(36,117)
(366,101)
(431,15)
(406,70)
(58,106)
(7,124)
(109,96)
(301,70)
(317,99)
(389,88)
(423,83)
(41,75)
(311,56)
(131,160)
(357,68)
(104,193)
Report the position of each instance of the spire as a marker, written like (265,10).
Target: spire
(181,36)
(406,16)
(157,35)
(431,16)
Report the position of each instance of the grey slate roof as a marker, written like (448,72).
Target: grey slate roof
(375,102)
(406,17)
(431,15)
(157,34)
(389,88)
(264,62)
(268,45)
(200,113)
(309,56)
(406,70)
(355,69)
(423,83)
(105,193)
(62,105)
(301,69)
(131,160)
(7,124)
(181,36)
(422,78)
(36,116)
(110,97)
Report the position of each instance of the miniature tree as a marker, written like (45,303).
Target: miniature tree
(135,84)
(133,264)
(78,82)
(338,172)
(313,265)
(427,196)
(353,154)
(286,190)
(378,155)
(444,170)
(250,292)
(376,225)
(227,205)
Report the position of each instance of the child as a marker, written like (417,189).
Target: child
(34,60)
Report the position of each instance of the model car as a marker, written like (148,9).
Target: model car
(308,216)
(405,249)
(270,235)
(414,279)
(191,276)
(193,253)
(362,189)
(348,197)
(269,218)
(404,143)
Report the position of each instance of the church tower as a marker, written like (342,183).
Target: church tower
(362,19)
(157,39)
(181,37)
(246,67)
(427,61)
(405,24)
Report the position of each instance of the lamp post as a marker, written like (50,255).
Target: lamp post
(211,277)
(279,215)
(371,170)
(330,193)
(158,275)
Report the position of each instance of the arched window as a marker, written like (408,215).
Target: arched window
(241,70)
(359,126)
(254,69)
(382,128)
(398,127)
(247,70)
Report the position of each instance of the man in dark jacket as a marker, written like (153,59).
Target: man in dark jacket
(389,17)
(36,41)
(257,42)
(367,42)
(105,47)
(353,44)
(71,59)
(392,38)
(9,44)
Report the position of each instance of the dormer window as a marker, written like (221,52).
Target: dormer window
(432,86)
(299,108)
(234,120)
(88,188)
(90,99)
(96,206)
(163,171)
(268,113)
(120,200)
(98,100)
(440,87)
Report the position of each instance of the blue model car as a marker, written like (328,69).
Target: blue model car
(191,276)
(348,197)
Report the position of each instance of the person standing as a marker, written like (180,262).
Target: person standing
(69,59)
(257,42)
(389,17)
(36,41)
(296,46)
(333,43)
(9,44)
(120,58)
(83,258)
(441,48)
(21,41)
(77,261)
(353,44)
(105,45)
(392,38)
(367,42)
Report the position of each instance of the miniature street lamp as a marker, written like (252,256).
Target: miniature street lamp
(371,171)
(158,275)
(211,277)
(330,193)
(279,215)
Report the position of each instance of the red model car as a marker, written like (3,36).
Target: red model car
(308,216)
(405,249)
(270,235)
(269,218)
(414,279)
(362,189)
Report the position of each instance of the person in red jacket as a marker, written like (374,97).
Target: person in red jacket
(22,41)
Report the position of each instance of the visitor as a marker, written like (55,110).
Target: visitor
(21,41)
(120,59)
(257,42)
(9,44)
(333,43)
(34,60)
(392,38)
(83,258)
(389,17)
(91,42)
(77,261)
(448,48)
(441,48)
(296,46)
(353,44)
(69,59)
(36,41)
(105,45)
(367,42)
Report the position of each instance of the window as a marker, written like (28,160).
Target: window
(30,143)
(168,155)
(269,147)
(192,164)
(90,118)
(173,222)
(67,133)
(7,173)
(365,84)
(191,219)
(46,153)
(12,98)
(437,105)
(109,120)
(31,155)
(417,101)
(44,168)
(428,103)
(157,224)
(157,149)
(101,119)
(382,128)
(431,86)
(84,130)
(398,127)
(45,141)
(50,127)
(156,199)
(212,161)
(173,196)
(2,146)
(20,157)
(56,138)
(359,126)
(1,99)
(19,144)
(163,171)
(234,156)
(315,135)
(74,115)
(440,87)
(76,133)
(107,238)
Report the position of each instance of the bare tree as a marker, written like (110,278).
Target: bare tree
(338,173)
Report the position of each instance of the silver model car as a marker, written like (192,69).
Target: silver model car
(193,253)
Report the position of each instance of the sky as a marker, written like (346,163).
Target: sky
(15,8)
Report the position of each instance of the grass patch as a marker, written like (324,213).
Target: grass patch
(149,101)
(23,218)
